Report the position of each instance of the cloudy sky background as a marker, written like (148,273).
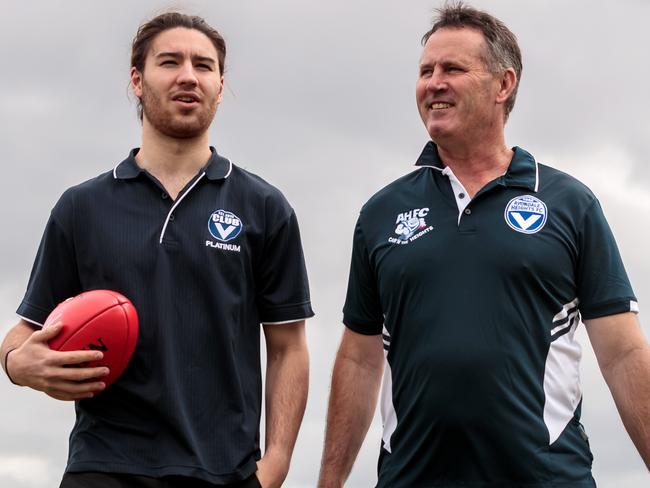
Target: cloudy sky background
(320,102)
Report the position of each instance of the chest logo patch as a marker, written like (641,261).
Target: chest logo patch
(224,226)
(410,226)
(526,214)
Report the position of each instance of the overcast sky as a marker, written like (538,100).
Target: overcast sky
(320,102)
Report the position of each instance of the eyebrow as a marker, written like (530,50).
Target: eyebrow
(444,62)
(177,55)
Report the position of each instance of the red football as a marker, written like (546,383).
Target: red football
(100,320)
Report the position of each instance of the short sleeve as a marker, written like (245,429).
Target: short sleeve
(54,274)
(283,288)
(362,312)
(603,286)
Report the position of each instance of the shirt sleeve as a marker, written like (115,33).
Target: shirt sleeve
(362,311)
(54,274)
(603,286)
(283,290)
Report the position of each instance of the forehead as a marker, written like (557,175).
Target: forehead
(185,41)
(463,43)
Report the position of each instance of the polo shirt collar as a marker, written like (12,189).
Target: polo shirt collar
(217,167)
(128,169)
(522,172)
(429,157)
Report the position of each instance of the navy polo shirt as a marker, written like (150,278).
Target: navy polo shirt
(478,302)
(203,272)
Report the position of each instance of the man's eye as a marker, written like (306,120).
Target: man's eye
(168,62)
(205,67)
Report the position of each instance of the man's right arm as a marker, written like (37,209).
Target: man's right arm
(28,361)
(355,386)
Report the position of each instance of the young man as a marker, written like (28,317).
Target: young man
(468,280)
(206,252)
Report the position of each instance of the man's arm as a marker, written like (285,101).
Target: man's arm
(287,382)
(624,358)
(28,361)
(353,398)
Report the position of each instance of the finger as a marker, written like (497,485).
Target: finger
(67,397)
(46,333)
(72,389)
(81,374)
(60,358)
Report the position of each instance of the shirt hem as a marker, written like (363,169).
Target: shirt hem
(546,484)
(361,328)
(32,313)
(611,307)
(168,470)
(289,313)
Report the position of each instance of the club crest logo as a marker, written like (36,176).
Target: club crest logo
(410,226)
(526,214)
(224,225)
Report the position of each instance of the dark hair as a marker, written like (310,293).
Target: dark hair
(170,20)
(502,49)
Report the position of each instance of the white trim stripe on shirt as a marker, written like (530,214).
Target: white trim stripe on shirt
(30,320)
(162,234)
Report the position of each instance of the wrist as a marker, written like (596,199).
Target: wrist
(329,482)
(278,458)
(5,364)
(273,468)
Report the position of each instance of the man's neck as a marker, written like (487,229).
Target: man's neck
(476,164)
(173,161)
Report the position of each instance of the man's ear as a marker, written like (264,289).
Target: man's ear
(136,82)
(507,84)
(221,86)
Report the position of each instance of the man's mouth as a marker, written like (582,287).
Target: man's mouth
(186,99)
(439,105)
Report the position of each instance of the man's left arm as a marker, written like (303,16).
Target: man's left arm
(287,382)
(624,358)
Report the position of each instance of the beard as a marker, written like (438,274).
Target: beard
(171,123)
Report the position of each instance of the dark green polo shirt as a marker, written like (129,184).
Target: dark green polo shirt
(478,302)
(203,272)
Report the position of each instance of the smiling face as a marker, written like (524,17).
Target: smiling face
(181,84)
(457,97)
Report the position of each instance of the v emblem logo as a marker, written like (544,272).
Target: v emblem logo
(224,233)
(224,225)
(525,223)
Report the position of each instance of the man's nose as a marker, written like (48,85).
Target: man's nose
(187,74)
(437,81)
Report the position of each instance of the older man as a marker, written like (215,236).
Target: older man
(469,278)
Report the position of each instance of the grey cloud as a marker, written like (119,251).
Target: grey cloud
(320,102)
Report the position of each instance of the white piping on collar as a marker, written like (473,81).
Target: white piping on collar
(162,234)
(428,166)
(30,320)
(536,172)
(226,176)
(229,169)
